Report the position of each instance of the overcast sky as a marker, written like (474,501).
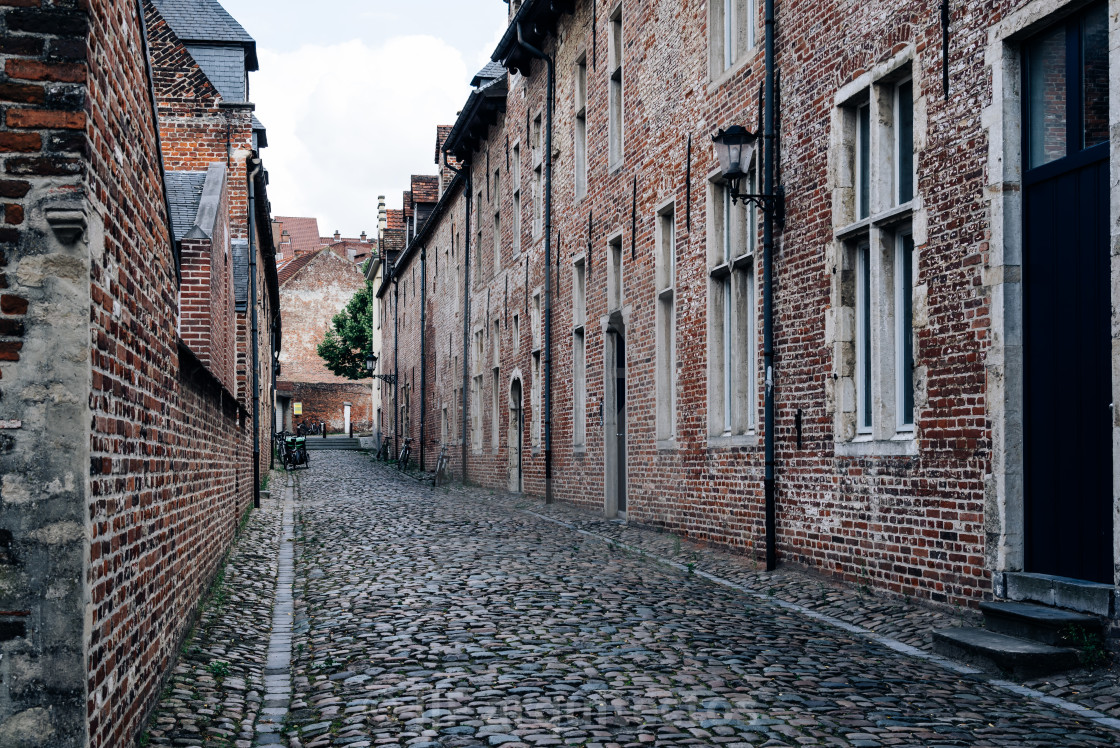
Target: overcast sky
(351,92)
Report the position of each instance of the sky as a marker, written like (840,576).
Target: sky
(351,92)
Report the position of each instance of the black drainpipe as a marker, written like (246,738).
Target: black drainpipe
(255,167)
(548,261)
(272,359)
(423,347)
(396,370)
(768,294)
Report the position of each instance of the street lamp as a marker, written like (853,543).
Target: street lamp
(731,145)
(371,364)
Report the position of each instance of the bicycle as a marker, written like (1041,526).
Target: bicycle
(406,455)
(443,472)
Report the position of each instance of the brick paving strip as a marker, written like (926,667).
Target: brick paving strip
(277,674)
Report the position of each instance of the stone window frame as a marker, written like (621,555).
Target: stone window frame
(535,354)
(477,259)
(732,328)
(495,382)
(616,272)
(579,353)
(1005,490)
(515,171)
(476,390)
(665,274)
(744,42)
(537,135)
(874,235)
(496,201)
(616,99)
(579,128)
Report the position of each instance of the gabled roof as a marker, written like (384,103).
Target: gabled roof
(477,116)
(225,67)
(425,189)
(537,21)
(304,232)
(207,22)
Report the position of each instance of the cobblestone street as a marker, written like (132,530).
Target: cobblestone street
(457,618)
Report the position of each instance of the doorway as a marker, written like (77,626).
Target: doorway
(1068,405)
(516,437)
(346,418)
(614,422)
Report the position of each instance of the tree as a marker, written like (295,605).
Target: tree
(347,343)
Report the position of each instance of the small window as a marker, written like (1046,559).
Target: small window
(515,166)
(497,200)
(614,274)
(733,25)
(581,128)
(863,337)
(615,105)
(665,384)
(904,327)
(579,354)
(538,178)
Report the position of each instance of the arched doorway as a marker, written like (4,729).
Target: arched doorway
(516,438)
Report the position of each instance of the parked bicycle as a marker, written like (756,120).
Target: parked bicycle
(293,451)
(443,471)
(406,455)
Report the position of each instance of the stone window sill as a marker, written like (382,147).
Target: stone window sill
(728,442)
(903,445)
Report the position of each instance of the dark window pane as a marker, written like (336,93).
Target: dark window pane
(864,165)
(1046,92)
(863,299)
(905,142)
(1094,76)
(906,329)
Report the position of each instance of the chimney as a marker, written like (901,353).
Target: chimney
(337,235)
(382,217)
(363,236)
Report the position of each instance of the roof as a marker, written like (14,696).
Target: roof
(492,71)
(425,189)
(225,67)
(195,198)
(184,192)
(261,133)
(239,248)
(537,21)
(207,21)
(424,233)
(290,268)
(442,131)
(395,220)
(304,232)
(479,113)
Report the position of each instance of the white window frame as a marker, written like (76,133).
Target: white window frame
(579,352)
(666,325)
(580,125)
(733,36)
(616,110)
(515,172)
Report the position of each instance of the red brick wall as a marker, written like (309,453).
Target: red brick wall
(326,403)
(912,525)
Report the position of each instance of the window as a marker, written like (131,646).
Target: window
(733,30)
(537,406)
(495,412)
(666,323)
(732,338)
(476,395)
(876,357)
(538,177)
(497,220)
(515,165)
(444,426)
(516,333)
(615,111)
(579,353)
(478,240)
(614,274)
(581,128)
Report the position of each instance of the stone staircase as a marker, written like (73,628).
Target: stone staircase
(333,442)
(1027,635)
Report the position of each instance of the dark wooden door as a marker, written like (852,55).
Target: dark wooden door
(1067,303)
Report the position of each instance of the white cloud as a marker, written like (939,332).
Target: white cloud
(348,122)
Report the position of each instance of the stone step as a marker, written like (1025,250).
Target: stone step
(1001,654)
(1061,592)
(333,442)
(1039,623)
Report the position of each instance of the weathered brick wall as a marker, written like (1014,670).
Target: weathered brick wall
(326,403)
(913,525)
(123,476)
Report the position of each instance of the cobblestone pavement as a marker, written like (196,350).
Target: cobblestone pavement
(214,695)
(457,618)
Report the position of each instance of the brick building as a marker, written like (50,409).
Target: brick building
(126,439)
(318,277)
(922,440)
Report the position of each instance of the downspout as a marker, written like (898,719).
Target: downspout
(272,416)
(548,260)
(396,369)
(466,172)
(423,348)
(255,163)
(769,137)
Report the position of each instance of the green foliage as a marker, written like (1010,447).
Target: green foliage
(218,668)
(1091,648)
(347,343)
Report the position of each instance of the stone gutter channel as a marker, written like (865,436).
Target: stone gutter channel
(277,673)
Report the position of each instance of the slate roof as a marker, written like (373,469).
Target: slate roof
(184,193)
(425,189)
(261,133)
(207,21)
(225,67)
(240,252)
(492,71)
(304,232)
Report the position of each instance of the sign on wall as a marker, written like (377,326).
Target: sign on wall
(297,409)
